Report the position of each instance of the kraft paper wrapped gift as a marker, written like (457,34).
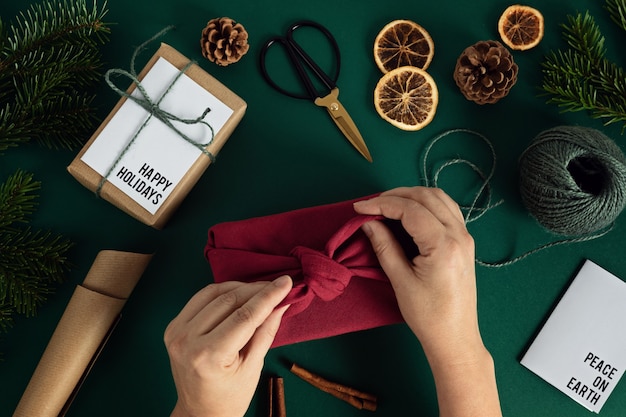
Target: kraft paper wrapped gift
(87,321)
(145,167)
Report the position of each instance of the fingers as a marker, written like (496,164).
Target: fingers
(264,336)
(434,199)
(237,330)
(218,342)
(225,313)
(388,251)
(204,297)
(425,213)
(223,303)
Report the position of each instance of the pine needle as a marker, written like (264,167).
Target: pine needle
(17,198)
(31,261)
(49,64)
(581,78)
(617,10)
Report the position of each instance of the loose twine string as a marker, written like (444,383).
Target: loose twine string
(153,108)
(476,209)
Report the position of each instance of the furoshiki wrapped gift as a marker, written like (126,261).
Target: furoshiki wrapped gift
(339,286)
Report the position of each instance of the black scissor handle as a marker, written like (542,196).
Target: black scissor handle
(296,64)
(298,58)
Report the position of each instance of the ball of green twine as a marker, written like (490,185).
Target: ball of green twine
(573,180)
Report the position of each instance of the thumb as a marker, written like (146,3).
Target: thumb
(388,251)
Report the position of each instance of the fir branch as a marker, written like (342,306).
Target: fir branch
(31,262)
(56,22)
(6,318)
(17,198)
(49,58)
(65,117)
(582,78)
(583,35)
(617,10)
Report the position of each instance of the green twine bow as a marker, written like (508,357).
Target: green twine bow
(152,107)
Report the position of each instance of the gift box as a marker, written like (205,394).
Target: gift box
(160,137)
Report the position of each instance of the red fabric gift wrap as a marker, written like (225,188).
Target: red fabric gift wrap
(339,286)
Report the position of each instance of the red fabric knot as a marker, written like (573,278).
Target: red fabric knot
(325,277)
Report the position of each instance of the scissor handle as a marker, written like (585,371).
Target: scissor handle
(298,56)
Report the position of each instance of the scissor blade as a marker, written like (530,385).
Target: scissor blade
(349,129)
(343,120)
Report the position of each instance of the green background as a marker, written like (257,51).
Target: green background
(287,154)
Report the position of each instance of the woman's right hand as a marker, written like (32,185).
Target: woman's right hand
(436,290)
(436,293)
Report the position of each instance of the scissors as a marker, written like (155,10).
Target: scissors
(328,99)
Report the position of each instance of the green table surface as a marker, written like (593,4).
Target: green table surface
(285,155)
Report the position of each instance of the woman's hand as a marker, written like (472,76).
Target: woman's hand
(436,293)
(436,290)
(217,345)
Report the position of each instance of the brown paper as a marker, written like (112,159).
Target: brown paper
(87,320)
(91,179)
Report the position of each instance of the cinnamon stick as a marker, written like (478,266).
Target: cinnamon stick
(277,406)
(352,396)
(270,402)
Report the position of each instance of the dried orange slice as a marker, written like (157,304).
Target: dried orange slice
(403,43)
(406,97)
(521,27)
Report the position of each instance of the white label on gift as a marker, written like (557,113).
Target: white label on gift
(158,158)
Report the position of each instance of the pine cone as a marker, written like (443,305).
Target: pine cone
(224,41)
(485,72)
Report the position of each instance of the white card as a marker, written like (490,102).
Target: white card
(581,349)
(158,158)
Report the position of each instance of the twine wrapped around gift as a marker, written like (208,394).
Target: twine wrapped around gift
(152,107)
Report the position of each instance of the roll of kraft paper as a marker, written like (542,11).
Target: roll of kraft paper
(89,317)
